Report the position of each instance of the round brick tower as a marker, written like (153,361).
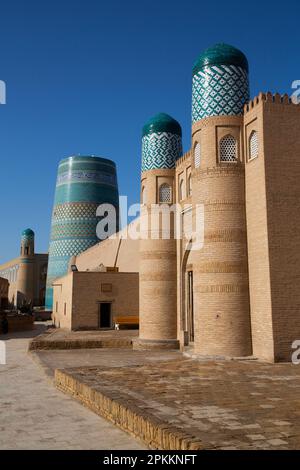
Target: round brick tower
(25,283)
(161,146)
(221,290)
(83,183)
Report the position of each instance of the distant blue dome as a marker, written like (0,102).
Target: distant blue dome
(28,233)
(162,122)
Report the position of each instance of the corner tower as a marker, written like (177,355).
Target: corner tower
(221,287)
(161,147)
(25,283)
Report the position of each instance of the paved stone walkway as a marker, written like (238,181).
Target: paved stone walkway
(220,405)
(61,359)
(34,415)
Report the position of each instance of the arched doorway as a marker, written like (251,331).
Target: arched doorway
(187,295)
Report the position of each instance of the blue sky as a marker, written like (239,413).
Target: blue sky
(83,76)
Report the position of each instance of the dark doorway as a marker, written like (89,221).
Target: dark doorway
(105,315)
(190,307)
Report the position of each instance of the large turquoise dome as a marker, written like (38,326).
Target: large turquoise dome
(220,83)
(162,122)
(221,54)
(161,143)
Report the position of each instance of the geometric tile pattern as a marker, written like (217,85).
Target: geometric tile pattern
(72,229)
(219,90)
(80,210)
(70,247)
(160,150)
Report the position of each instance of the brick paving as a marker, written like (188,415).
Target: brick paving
(57,359)
(211,405)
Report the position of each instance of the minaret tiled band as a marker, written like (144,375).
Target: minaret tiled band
(220,82)
(161,143)
(83,183)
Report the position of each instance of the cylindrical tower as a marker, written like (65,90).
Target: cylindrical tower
(220,271)
(83,183)
(25,282)
(161,146)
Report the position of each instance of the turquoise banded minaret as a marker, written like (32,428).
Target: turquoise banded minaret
(220,82)
(83,183)
(161,143)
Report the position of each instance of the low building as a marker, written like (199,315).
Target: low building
(109,298)
(26,274)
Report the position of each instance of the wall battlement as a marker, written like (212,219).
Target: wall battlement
(269,97)
(184,157)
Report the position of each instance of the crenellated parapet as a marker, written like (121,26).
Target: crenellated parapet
(268,97)
(186,156)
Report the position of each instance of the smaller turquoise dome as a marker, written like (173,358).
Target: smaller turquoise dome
(221,54)
(162,122)
(28,233)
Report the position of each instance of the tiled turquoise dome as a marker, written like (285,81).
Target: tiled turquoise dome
(161,143)
(221,54)
(28,233)
(220,83)
(162,122)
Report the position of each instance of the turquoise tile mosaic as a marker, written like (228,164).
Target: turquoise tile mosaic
(161,142)
(220,82)
(83,183)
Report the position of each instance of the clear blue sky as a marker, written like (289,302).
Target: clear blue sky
(84,75)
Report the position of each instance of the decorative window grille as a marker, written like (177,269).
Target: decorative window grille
(228,149)
(253,145)
(197,155)
(165,193)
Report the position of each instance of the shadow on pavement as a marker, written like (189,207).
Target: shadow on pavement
(39,328)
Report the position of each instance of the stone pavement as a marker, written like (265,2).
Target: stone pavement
(35,415)
(60,359)
(190,404)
